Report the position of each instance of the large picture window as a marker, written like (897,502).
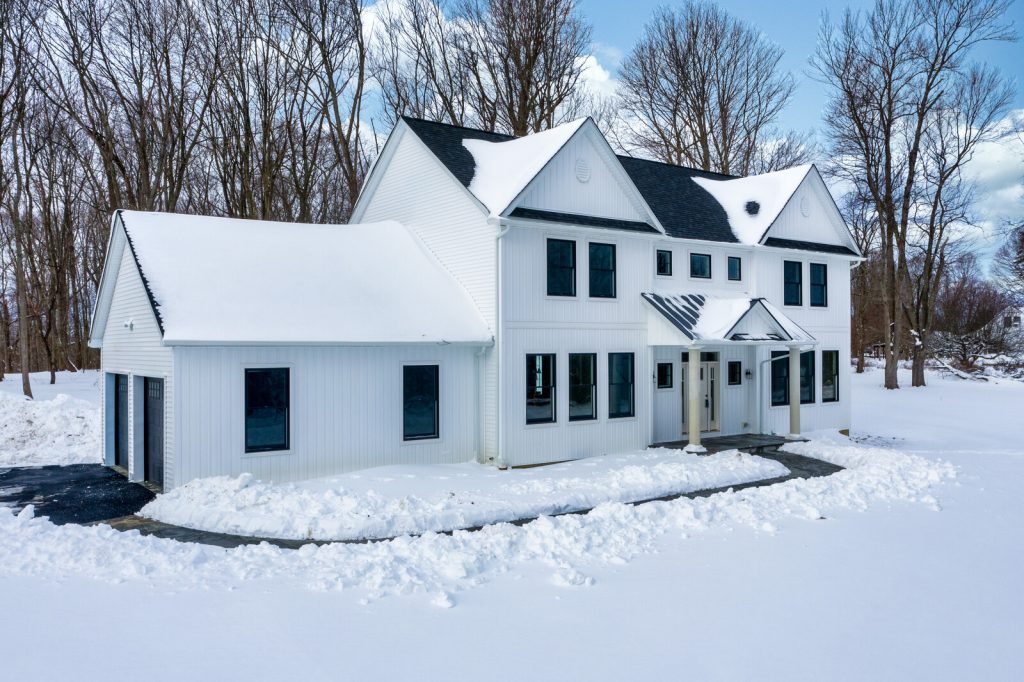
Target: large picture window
(620,385)
(266,409)
(420,402)
(700,265)
(561,267)
(582,386)
(540,388)
(602,271)
(819,285)
(829,376)
(780,377)
(793,287)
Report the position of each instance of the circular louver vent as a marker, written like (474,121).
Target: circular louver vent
(582,170)
(753,207)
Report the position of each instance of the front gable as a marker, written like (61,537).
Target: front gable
(811,216)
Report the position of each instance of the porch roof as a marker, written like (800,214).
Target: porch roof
(703,318)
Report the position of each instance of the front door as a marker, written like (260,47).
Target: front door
(121,420)
(708,392)
(153,430)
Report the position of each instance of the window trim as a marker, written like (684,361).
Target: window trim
(657,263)
(554,392)
(289,444)
(632,413)
(739,261)
(711,270)
(671,376)
(799,283)
(830,400)
(614,270)
(594,412)
(438,406)
(811,284)
(728,372)
(547,267)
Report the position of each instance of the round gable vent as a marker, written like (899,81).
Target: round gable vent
(752,207)
(582,170)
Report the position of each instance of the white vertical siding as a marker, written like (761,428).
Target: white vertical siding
(346,409)
(822,224)
(133,345)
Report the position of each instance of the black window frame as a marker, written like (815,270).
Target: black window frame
(738,366)
(821,287)
(436,433)
(592,270)
(707,257)
(285,445)
(739,268)
(835,376)
(552,387)
(612,383)
(807,379)
(570,268)
(787,283)
(657,262)
(576,385)
(665,381)
(780,372)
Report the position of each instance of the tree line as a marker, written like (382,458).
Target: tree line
(275,109)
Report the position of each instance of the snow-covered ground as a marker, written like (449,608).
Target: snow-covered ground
(390,501)
(892,569)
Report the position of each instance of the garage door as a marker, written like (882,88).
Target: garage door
(154,431)
(121,420)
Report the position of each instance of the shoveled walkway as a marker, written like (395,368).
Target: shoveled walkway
(91,494)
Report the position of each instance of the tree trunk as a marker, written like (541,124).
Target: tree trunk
(917,367)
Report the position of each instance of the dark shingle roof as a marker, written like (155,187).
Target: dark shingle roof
(589,221)
(445,141)
(684,208)
(809,246)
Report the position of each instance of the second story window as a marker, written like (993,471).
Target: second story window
(700,265)
(561,267)
(602,271)
(664,260)
(735,268)
(793,283)
(819,285)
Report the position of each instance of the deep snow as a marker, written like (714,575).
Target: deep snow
(889,570)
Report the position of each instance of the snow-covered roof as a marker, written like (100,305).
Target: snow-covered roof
(753,203)
(504,168)
(222,280)
(726,318)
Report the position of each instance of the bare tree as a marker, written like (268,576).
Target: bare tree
(701,88)
(858,212)
(969,313)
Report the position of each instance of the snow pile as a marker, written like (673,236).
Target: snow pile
(504,169)
(769,192)
(270,282)
(439,566)
(447,497)
(718,315)
(63,430)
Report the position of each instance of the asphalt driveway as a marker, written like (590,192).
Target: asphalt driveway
(79,493)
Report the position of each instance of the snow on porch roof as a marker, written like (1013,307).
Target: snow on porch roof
(222,280)
(713,318)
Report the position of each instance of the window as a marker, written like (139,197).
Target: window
(735,372)
(665,263)
(700,265)
(420,413)
(266,409)
(735,268)
(829,376)
(780,377)
(819,285)
(540,388)
(664,375)
(582,386)
(793,293)
(561,267)
(602,271)
(620,385)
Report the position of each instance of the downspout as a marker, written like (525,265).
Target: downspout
(499,337)
(480,390)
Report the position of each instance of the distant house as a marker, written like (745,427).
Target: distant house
(510,300)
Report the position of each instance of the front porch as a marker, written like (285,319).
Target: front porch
(747,442)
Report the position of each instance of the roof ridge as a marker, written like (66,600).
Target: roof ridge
(677,165)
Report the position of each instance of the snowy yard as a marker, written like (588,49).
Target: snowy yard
(905,566)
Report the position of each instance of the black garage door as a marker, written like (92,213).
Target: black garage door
(154,431)
(121,420)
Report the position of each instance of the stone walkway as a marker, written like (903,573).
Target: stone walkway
(92,493)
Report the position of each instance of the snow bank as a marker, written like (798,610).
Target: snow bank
(63,430)
(447,497)
(769,191)
(439,566)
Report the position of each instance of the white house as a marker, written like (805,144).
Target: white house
(510,300)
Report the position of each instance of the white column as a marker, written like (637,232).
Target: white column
(794,392)
(693,402)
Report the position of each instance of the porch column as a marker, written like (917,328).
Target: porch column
(794,392)
(693,401)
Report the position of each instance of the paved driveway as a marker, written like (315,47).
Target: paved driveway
(79,493)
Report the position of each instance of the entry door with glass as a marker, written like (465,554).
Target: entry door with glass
(708,400)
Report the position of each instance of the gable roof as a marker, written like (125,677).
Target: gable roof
(715,318)
(223,280)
